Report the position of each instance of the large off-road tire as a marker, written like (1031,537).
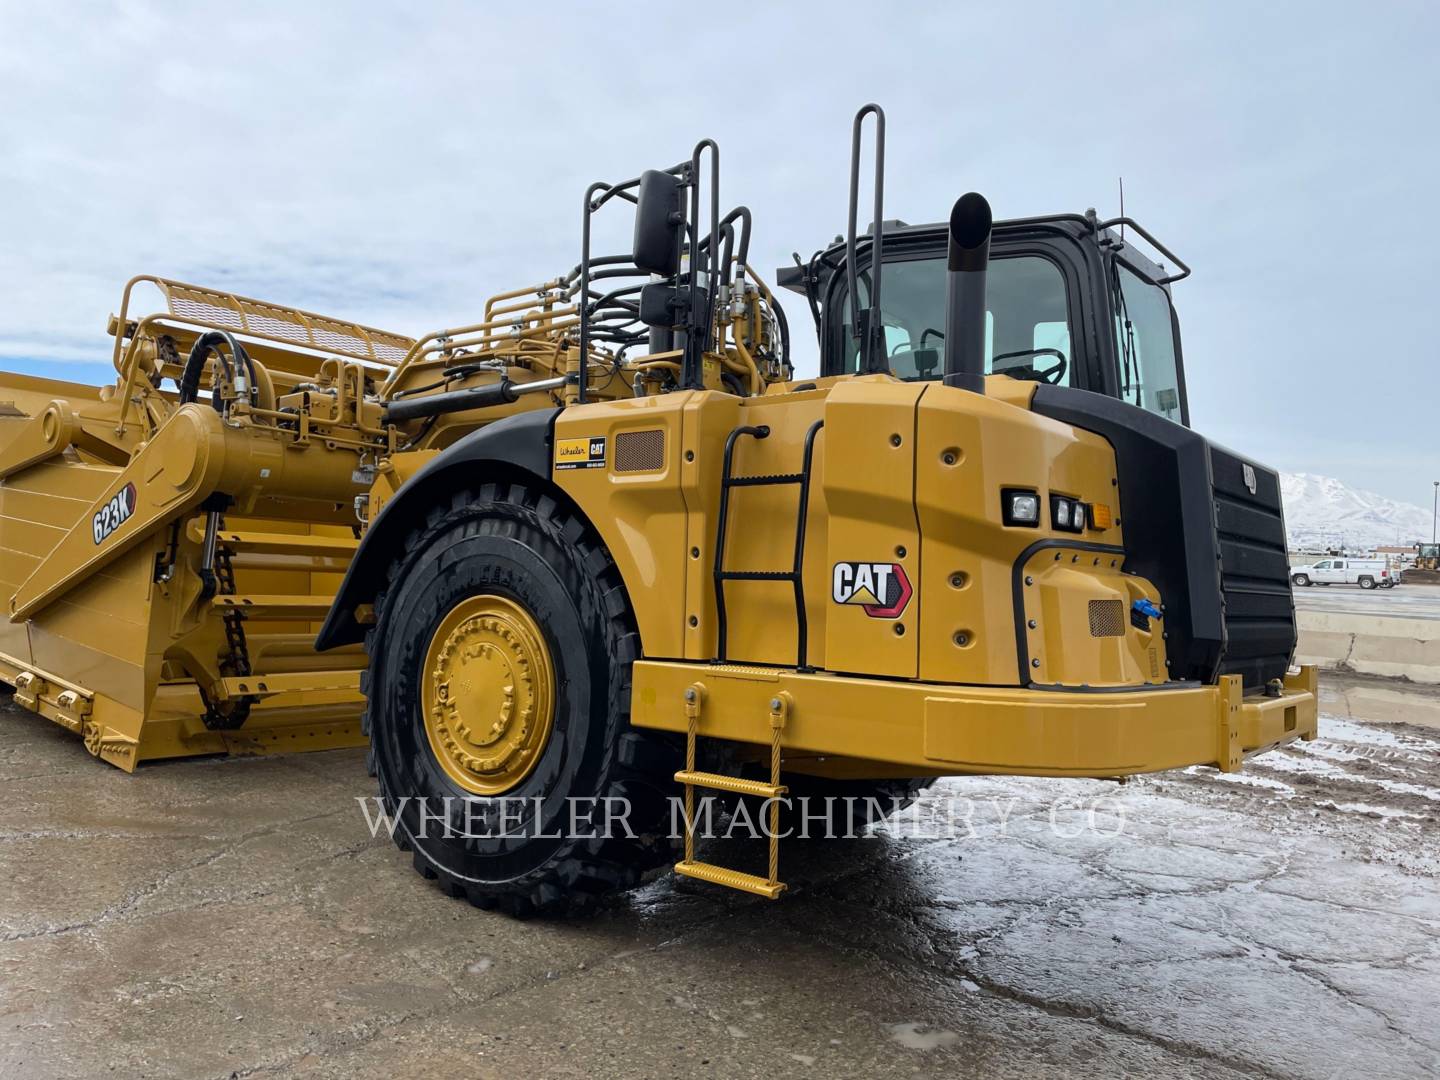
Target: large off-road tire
(505,620)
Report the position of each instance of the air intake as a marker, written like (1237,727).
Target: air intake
(640,451)
(1107,618)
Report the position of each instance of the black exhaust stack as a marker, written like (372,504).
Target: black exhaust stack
(968,258)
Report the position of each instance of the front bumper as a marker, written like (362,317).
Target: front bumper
(909,728)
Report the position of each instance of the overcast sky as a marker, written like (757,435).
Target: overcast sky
(396,164)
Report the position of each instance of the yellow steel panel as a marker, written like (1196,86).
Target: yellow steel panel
(708,419)
(288,683)
(923,728)
(969,448)
(1057,586)
(869,492)
(640,516)
(761,615)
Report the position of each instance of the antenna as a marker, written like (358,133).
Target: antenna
(1122,209)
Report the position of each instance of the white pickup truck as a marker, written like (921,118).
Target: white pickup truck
(1367,573)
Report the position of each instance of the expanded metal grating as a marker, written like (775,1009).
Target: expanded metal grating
(284,324)
(1107,618)
(640,451)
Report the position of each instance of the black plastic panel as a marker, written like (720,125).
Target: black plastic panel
(1167,514)
(1215,549)
(1254,569)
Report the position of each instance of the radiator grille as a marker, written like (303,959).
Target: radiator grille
(1107,618)
(1258,608)
(640,451)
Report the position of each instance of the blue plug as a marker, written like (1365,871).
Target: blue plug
(1147,608)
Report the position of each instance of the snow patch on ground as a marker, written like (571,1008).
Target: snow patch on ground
(1372,811)
(1338,729)
(1325,757)
(1246,778)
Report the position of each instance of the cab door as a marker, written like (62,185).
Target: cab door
(1335,575)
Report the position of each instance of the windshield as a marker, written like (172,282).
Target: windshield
(1027,319)
(1145,344)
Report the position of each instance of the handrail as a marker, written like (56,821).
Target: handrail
(517,320)
(186,304)
(267,321)
(1168,279)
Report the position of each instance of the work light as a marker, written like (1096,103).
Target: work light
(1067,514)
(1020,507)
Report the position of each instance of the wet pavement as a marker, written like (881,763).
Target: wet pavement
(220,918)
(1403,601)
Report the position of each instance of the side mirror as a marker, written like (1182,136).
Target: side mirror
(658,221)
(661,304)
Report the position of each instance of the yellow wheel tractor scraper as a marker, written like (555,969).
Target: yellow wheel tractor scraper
(601,553)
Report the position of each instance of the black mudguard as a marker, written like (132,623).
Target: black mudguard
(517,444)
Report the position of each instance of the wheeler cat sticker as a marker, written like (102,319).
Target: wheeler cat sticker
(882,589)
(587,453)
(114,513)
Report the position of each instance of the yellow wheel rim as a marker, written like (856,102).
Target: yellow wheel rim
(488,694)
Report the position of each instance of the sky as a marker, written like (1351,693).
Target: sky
(396,164)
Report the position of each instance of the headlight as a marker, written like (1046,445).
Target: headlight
(1020,508)
(1067,514)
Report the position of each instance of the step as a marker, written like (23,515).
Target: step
(731,879)
(267,543)
(270,606)
(732,784)
(288,682)
(764,481)
(756,575)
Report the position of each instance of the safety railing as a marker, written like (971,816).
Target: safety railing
(212,309)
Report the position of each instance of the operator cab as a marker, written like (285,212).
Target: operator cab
(1070,301)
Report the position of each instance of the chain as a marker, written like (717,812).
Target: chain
(237,660)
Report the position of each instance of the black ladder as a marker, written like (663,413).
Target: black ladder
(769,886)
(794,575)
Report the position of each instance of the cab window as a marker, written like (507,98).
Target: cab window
(1027,319)
(1145,344)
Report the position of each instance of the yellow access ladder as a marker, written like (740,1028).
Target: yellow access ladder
(769,887)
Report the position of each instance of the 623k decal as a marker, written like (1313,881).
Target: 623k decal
(114,513)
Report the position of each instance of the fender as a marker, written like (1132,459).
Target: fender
(520,442)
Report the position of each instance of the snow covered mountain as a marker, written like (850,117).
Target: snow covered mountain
(1322,513)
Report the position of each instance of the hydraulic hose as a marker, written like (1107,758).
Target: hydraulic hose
(195,364)
(472,397)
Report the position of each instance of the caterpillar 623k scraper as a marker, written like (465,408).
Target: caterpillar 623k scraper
(602,545)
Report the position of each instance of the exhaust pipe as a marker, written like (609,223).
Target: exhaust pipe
(968,257)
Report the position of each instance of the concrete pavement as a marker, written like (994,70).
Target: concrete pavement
(233,917)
